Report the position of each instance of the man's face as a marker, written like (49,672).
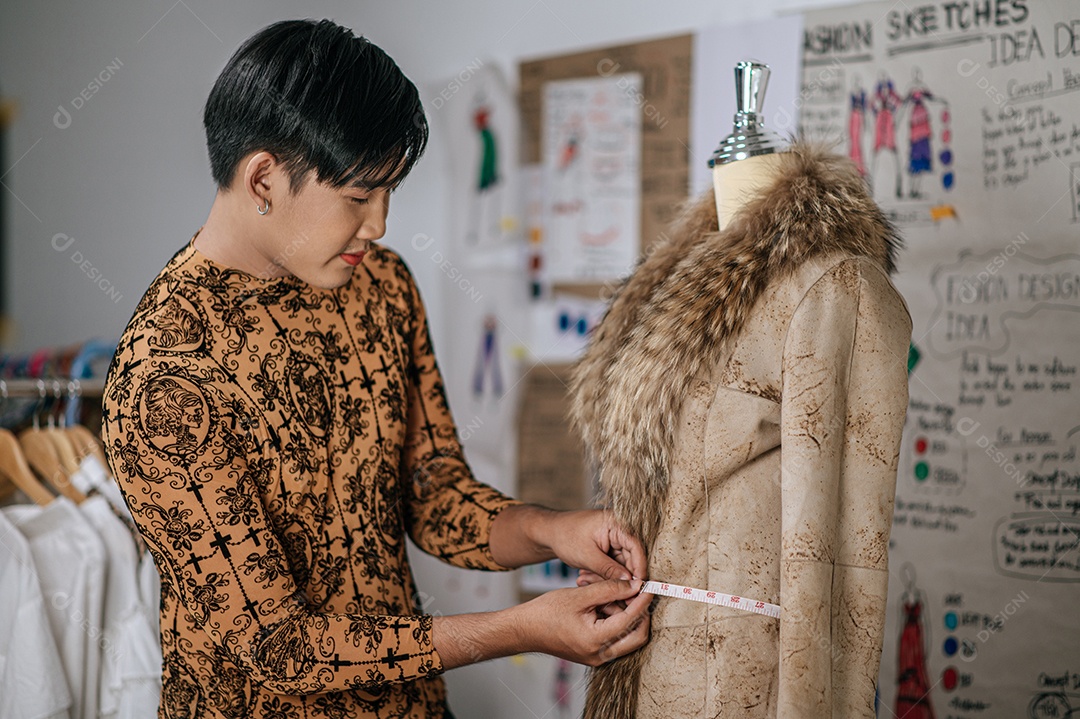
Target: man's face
(321,233)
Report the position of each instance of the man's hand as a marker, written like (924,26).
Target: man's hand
(589,540)
(587,625)
(580,624)
(594,543)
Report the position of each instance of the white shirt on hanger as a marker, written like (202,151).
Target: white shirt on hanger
(32,681)
(131,656)
(150,589)
(93,475)
(71,562)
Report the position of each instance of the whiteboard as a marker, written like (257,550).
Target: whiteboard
(965,117)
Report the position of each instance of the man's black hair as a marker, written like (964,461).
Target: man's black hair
(319,99)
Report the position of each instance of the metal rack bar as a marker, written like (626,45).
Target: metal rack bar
(23,387)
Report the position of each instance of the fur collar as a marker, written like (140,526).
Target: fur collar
(671,318)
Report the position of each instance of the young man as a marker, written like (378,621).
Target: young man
(277,422)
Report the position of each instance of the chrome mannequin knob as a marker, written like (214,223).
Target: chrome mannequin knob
(749,136)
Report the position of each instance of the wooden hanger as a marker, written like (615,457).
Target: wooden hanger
(7,487)
(65,450)
(15,469)
(40,448)
(85,443)
(13,464)
(41,454)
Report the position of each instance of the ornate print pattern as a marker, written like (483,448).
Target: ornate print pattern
(275,442)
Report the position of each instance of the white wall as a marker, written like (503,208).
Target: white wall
(127,181)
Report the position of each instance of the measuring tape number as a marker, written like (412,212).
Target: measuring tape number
(678,591)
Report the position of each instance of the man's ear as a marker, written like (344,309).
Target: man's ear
(262,176)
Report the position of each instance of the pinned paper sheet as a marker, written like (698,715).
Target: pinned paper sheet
(592,177)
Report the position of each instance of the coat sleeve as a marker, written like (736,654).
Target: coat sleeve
(448,513)
(844,403)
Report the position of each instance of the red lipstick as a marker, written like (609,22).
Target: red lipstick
(352,259)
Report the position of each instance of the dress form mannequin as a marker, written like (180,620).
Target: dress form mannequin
(746,161)
(781,331)
(737,182)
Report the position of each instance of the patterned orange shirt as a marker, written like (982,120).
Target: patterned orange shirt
(275,442)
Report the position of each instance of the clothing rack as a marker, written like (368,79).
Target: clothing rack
(71,374)
(82,368)
(26,387)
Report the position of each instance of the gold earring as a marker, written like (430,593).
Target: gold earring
(263,210)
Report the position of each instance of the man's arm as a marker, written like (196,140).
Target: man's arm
(564,623)
(589,540)
(465,522)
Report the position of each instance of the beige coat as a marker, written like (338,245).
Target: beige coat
(744,398)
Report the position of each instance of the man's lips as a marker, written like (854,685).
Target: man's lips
(352,258)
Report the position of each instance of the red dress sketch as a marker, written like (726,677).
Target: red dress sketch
(885,103)
(913,682)
(856,122)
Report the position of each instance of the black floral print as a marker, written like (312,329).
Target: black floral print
(275,442)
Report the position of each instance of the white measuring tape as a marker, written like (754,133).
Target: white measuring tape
(701,595)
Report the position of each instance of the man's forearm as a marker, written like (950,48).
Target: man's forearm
(564,623)
(520,535)
(464,639)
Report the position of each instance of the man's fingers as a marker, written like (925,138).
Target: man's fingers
(630,549)
(605,620)
(623,622)
(611,609)
(639,604)
(626,630)
(585,578)
(610,569)
(627,642)
(608,591)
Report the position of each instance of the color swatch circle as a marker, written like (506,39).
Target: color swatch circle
(949,678)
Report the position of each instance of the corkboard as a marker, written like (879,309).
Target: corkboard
(551,468)
(664,65)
